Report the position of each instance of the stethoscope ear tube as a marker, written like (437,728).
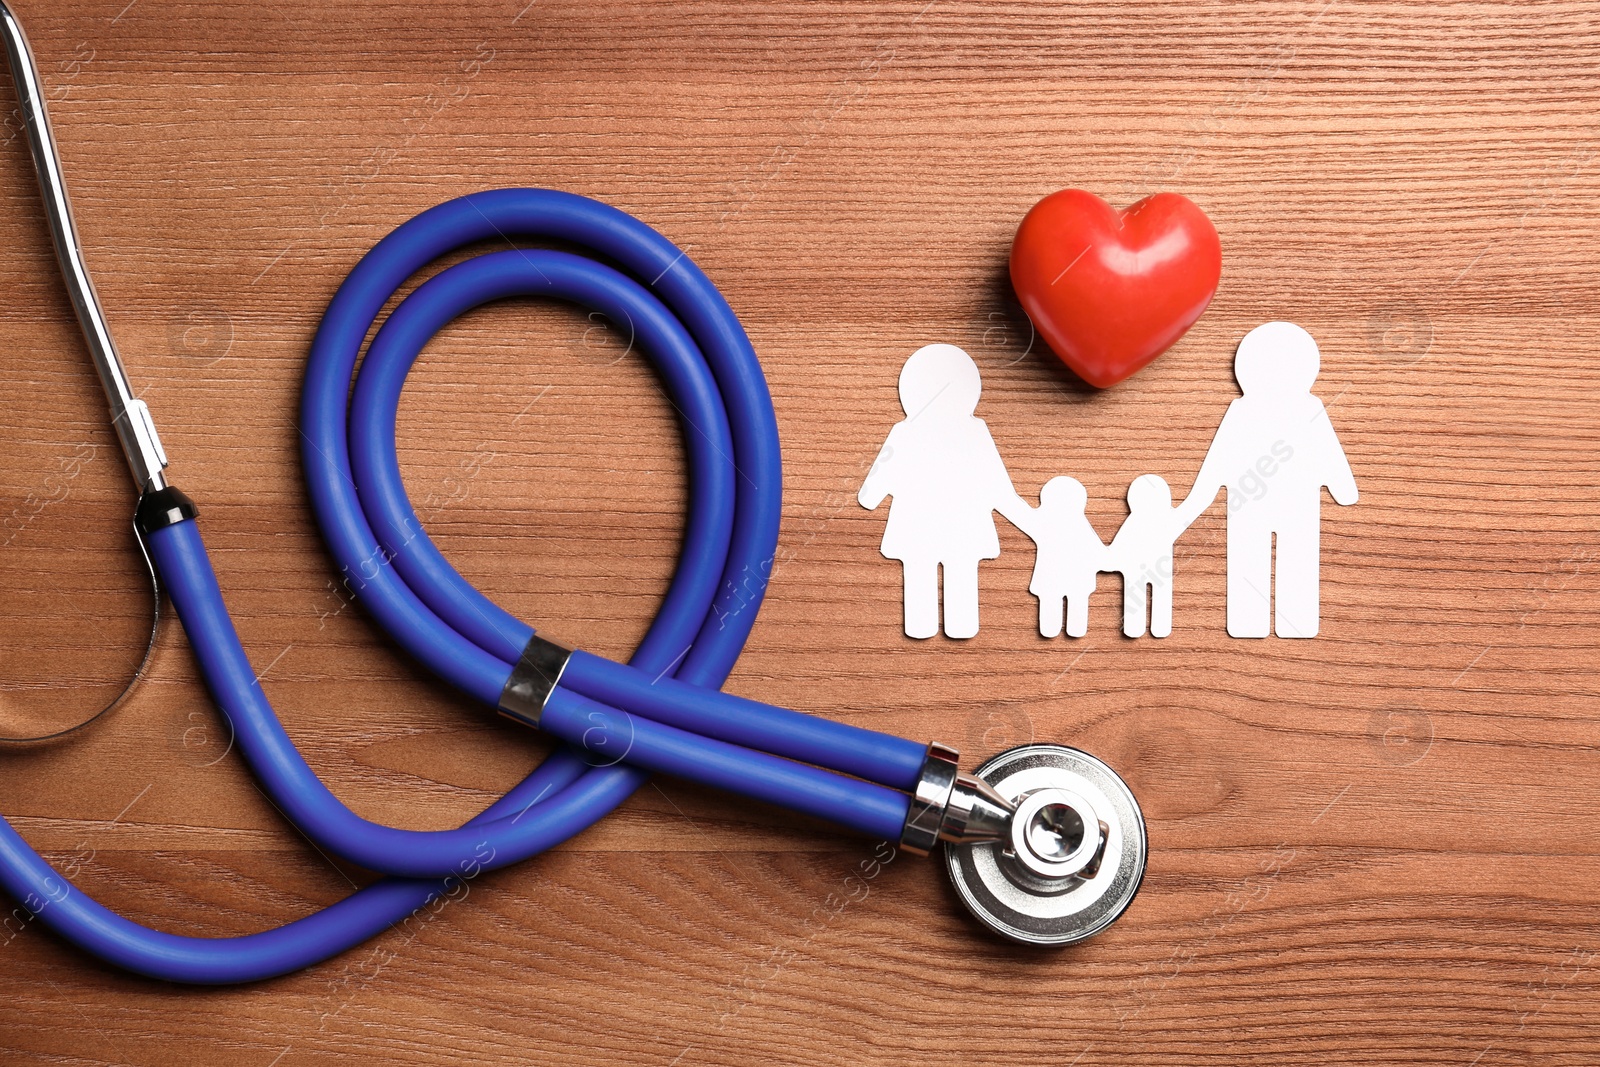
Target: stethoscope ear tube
(130,417)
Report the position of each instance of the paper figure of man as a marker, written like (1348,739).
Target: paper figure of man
(1275,451)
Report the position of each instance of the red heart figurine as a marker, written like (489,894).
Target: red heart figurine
(1111,290)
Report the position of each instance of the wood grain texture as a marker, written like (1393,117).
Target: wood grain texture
(1381,846)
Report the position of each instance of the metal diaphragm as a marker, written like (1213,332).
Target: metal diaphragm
(1075,856)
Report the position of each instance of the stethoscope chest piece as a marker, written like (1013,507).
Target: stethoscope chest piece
(1074,856)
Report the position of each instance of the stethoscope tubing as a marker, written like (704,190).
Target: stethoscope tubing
(661,712)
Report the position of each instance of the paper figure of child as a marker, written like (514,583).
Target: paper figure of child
(1070,557)
(947,479)
(1142,552)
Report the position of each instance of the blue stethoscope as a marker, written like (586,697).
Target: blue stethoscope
(1045,843)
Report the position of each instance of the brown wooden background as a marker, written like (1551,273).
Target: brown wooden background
(1380,846)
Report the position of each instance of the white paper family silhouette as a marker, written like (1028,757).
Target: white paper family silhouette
(1275,451)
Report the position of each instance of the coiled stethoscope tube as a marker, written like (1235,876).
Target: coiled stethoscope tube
(662,712)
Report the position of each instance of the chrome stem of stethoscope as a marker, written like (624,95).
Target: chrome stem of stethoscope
(953,807)
(136,433)
(129,415)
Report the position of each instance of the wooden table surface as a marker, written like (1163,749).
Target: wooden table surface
(1378,846)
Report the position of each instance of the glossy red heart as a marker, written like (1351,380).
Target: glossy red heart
(1111,290)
